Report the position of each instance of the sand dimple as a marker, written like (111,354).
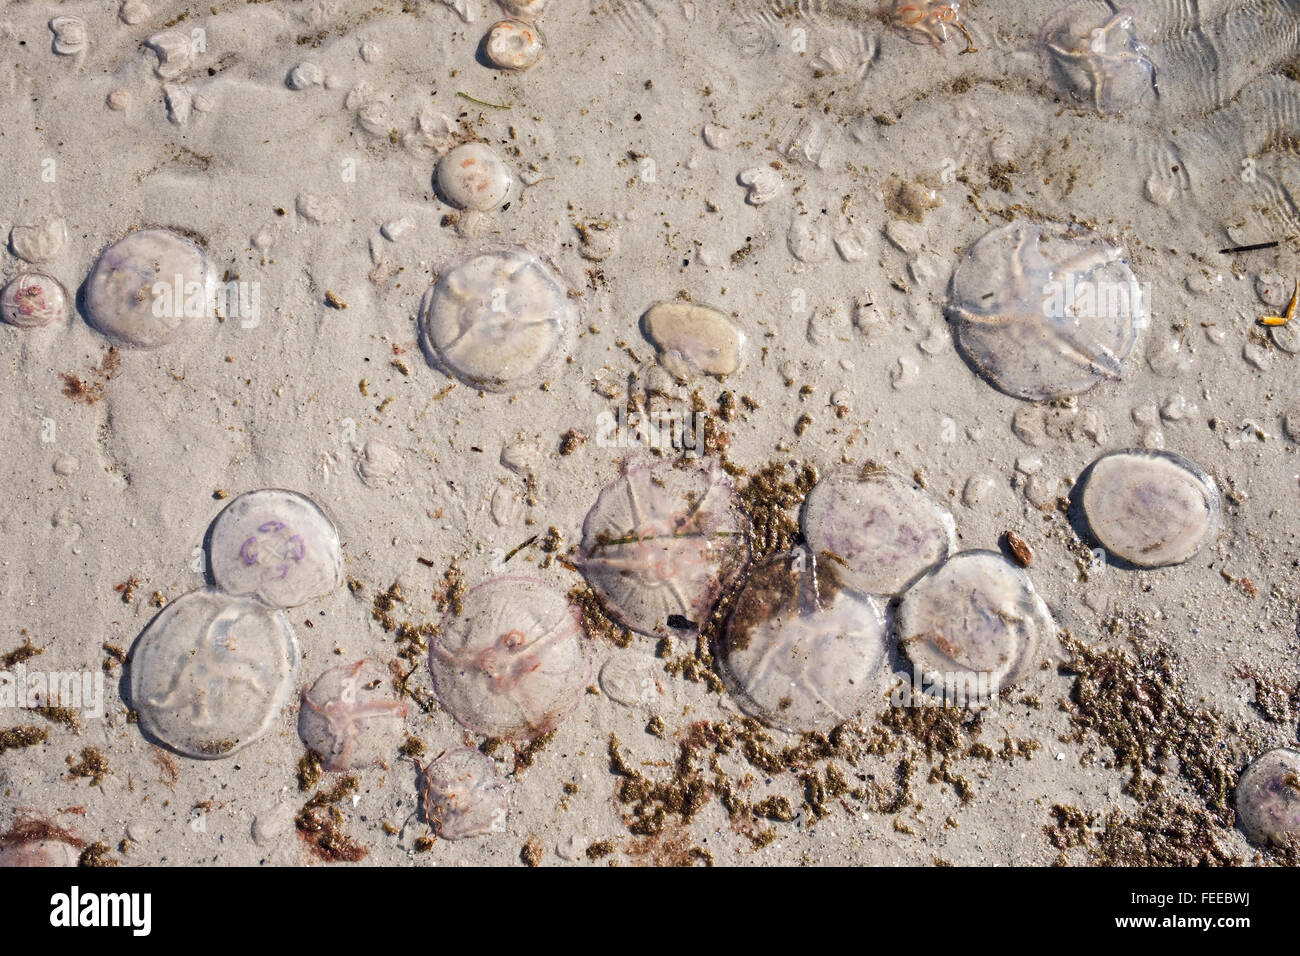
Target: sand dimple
(277,545)
(1150,508)
(661,543)
(512,662)
(211,673)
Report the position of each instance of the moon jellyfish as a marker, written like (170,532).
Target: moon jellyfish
(1043,312)
(976,615)
(1150,508)
(34,300)
(212,672)
(277,545)
(351,718)
(1093,55)
(464,795)
(473,176)
(513,661)
(662,542)
(799,652)
(497,321)
(882,530)
(1268,798)
(146,285)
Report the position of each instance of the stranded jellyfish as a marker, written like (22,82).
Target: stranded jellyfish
(473,176)
(497,321)
(145,285)
(1093,55)
(1043,312)
(277,545)
(662,542)
(514,45)
(464,795)
(975,616)
(927,21)
(1268,798)
(512,662)
(34,300)
(1150,508)
(799,652)
(33,841)
(211,673)
(881,530)
(351,718)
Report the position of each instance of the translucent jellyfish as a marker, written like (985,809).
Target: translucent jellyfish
(661,543)
(977,613)
(33,841)
(277,545)
(928,21)
(473,176)
(882,529)
(498,321)
(351,718)
(799,652)
(34,300)
(1093,55)
(212,672)
(693,340)
(1042,312)
(145,286)
(464,795)
(1268,798)
(1150,508)
(513,662)
(514,45)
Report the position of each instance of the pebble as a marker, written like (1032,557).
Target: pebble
(118,99)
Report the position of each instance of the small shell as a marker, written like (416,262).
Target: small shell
(1268,798)
(211,673)
(473,176)
(799,653)
(276,545)
(1150,508)
(977,613)
(882,530)
(512,660)
(34,300)
(661,543)
(350,717)
(145,286)
(514,45)
(464,795)
(693,340)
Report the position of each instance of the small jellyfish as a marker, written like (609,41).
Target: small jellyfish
(927,21)
(211,673)
(1093,55)
(977,614)
(473,176)
(145,286)
(34,300)
(882,530)
(1043,312)
(514,45)
(1149,508)
(33,841)
(512,662)
(1268,798)
(277,545)
(464,795)
(799,653)
(498,321)
(662,542)
(528,9)
(693,340)
(350,717)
